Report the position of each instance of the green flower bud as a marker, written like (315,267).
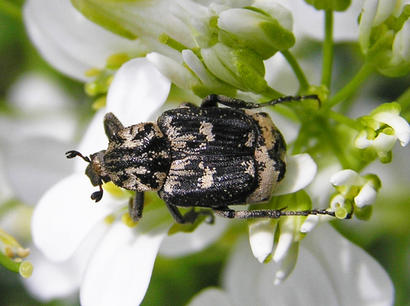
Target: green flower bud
(384,36)
(241,68)
(257,29)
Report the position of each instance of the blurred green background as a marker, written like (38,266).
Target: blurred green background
(386,236)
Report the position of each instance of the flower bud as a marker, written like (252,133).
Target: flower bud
(263,31)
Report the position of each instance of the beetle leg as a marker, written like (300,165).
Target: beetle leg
(271,213)
(213,100)
(190,216)
(135,206)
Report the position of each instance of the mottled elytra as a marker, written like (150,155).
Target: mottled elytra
(207,156)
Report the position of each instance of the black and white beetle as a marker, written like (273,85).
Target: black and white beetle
(193,156)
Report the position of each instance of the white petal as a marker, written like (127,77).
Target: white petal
(261,237)
(137,91)
(366,196)
(52,280)
(66,214)
(120,271)
(210,296)
(309,224)
(300,171)
(34,92)
(399,124)
(94,139)
(287,265)
(33,165)
(194,63)
(250,283)
(349,269)
(320,189)
(69,41)
(283,247)
(181,244)
(172,70)
(361,140)
(366,23)
(345,177)
(384,142)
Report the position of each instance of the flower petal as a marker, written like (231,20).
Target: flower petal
(52,280)
(287,265)
(66,214)
(399,124)
(137,91)
(94,139)
(210,296)
(261,236)
(182,244)
(310,223)
(366,196)
(120,271)
(345,177)
(33,165)
(250,283)
(69,41)
(349,269)
(173,70)
(361,140)
(300,171)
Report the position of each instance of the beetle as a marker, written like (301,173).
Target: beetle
(207,156)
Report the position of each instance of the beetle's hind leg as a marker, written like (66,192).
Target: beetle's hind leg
(190,216)
(213,100)
(271,213)
(136,206)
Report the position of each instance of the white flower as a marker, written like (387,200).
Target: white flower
(330,271)
(301,170)
(353,189)
(382,128)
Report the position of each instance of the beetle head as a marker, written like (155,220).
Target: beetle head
(94,170)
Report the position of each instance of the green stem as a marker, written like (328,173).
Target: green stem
(352,86)
(330,136)
(304,85)
(344,120)
(10,9)
(328,50)
(9,263)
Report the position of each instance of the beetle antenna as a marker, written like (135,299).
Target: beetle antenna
(97,196)
(73,153)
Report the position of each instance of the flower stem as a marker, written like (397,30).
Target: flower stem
(10,9)
(344,120)
(304,85)
(9,263)
(352,86)
(328,50)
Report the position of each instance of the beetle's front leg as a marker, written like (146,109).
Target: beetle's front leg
(136,206)
(190,216)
